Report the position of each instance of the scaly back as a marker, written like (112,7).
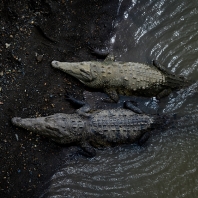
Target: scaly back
(118,126)
(129,74)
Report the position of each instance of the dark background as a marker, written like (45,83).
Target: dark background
(29,86)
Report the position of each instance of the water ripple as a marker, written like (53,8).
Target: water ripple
(167,165)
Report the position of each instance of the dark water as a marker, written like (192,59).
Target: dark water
(167,165)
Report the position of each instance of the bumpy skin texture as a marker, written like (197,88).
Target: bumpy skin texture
(101,128)
(124,78)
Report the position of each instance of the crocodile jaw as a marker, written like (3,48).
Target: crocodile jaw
(81,71)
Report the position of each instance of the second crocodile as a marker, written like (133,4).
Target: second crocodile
(97,129)
(124,78)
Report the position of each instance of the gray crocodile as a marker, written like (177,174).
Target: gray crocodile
(124,78)
(94,129)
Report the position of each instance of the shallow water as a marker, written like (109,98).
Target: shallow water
(167,165)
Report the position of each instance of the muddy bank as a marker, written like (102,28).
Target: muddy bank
(32,34)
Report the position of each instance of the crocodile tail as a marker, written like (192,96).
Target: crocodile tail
(159,122)
(177,82)
(171,80)
(163,121)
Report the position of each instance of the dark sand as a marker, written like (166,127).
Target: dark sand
(30,87)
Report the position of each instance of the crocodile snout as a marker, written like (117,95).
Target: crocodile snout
(54,63)
(16,120)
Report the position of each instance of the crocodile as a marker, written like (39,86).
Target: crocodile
(92,129)
(124,78)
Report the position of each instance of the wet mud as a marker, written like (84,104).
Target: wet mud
(32,34)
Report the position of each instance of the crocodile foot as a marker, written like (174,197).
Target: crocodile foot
(87,150)
(144,138)
(132,107)
(99,52)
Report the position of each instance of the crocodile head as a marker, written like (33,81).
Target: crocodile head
(80,70)
(54,127)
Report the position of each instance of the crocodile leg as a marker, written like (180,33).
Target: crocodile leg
(99,52)
(159,66)
(164,93)
(144,138)
(84,110)
(83,107)
(132,107)
(87,150)
(75,102)
(110,57)
(112,94)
